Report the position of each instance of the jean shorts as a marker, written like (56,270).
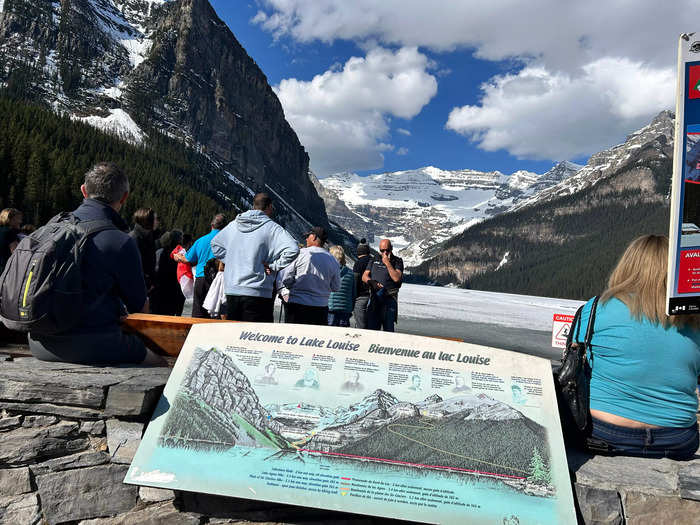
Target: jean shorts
(674,443)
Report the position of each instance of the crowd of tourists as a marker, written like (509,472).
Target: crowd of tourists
(236,271)
(645,364)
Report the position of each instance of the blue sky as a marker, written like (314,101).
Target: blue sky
(400,84)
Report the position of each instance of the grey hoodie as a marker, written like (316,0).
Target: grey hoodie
(245,246)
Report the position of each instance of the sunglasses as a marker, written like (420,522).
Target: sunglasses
(388,250)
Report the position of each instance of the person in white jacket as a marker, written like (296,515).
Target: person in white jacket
(310,280)
(253,247)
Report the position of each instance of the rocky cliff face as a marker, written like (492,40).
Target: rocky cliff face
(216,381)
(135,67)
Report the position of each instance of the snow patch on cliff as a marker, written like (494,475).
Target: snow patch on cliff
(119,123)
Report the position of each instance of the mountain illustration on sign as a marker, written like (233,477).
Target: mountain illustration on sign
(217,408)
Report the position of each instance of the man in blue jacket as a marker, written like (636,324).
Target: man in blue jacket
(253,247)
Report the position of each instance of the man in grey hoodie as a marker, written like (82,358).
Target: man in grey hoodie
(253,247)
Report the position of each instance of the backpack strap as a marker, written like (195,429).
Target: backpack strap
(86,228)
(95,226)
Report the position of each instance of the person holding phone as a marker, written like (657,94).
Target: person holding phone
(384,275)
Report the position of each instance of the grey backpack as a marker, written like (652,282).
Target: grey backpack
(41,287)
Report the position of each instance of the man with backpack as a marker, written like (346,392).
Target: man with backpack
(109,269)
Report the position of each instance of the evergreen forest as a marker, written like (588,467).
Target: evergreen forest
(44,156)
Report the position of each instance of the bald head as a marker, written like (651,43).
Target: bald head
(385,244)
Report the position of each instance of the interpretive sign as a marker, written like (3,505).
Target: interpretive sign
(352,420)
(561,324)
(683,283)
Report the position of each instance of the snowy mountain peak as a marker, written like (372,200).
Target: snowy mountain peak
(417,209)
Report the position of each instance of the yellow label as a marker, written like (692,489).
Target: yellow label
(26,290)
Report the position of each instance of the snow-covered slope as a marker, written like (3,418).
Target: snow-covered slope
(417,209)
(657,134)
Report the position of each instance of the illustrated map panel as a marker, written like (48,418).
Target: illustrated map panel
(351,420)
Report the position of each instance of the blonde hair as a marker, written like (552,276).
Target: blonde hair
(338,253)
(7,215)
(639,281)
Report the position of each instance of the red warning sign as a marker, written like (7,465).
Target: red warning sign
(561,324)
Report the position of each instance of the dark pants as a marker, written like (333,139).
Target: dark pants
(339,318)
(360,311)
(201,288)
(100,348)
(381,313)
(304,314)
(674,443)
(249,308)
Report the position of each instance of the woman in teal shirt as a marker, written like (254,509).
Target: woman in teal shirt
(645,364)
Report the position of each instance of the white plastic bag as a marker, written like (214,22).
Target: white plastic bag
(216,296)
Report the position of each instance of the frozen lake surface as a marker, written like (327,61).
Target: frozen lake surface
(522,323)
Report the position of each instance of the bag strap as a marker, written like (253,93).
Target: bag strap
(576,324)
(591,322)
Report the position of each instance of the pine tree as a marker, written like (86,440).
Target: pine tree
(539,471)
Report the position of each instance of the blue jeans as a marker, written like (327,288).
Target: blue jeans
(337,318)
(674,443)
(381,313)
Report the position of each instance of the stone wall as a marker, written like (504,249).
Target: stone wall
(68,433)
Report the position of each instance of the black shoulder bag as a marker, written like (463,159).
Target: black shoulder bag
(572,382)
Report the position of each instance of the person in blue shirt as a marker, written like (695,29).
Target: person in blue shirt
(645,364)
(199,255)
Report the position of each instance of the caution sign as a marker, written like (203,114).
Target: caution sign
(561,324)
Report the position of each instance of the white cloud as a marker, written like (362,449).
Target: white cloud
(542,115)
(341,116)
(404,131)
(560,34)
(591,72)
(402,151)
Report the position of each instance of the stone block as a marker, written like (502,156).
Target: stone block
(123,439)
(85,493)
(599,506)
(51,409)
(20,509)
(10,422)
(621,473)
(94,428)
(689,480)
(22,382)
(23,446)
(14,481)
(80,460)
(154,495)
(39,421)
(137,396)
(643,509)
(159,514)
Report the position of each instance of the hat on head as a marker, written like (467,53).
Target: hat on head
(320,232)
(363,247)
